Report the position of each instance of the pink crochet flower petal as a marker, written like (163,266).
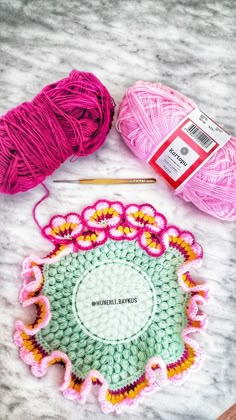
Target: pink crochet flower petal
(63,229)
(188,237)
(151,244)
(123,232)
(198,249)
(145,216)
(116,234)
(89,239)
(103,214)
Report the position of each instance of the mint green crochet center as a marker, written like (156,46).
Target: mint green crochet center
(114,302)
(113,308)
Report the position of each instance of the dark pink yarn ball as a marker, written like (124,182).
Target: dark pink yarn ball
(68,117)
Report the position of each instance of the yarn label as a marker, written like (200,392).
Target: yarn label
(187,148)
(176,158)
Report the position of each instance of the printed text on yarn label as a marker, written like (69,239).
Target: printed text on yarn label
(177,158)
(185,150)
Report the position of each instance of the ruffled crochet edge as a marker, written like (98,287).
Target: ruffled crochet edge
(118,223)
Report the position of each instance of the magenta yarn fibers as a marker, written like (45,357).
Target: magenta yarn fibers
(68,117)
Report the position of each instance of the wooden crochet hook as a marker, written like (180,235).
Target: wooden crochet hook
(108,181)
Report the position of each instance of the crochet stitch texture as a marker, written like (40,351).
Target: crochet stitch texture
(115,303)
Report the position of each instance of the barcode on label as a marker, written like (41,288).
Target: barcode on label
(199,136)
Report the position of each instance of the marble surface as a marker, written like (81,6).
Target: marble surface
(189,45)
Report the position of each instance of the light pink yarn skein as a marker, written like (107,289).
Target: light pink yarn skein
(147,113)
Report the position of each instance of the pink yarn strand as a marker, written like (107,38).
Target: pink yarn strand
(46,195)
(147,114)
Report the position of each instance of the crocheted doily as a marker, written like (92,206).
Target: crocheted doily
(115,302)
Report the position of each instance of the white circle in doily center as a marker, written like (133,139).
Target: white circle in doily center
(114,302)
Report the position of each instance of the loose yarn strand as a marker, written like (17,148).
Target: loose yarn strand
(46,195)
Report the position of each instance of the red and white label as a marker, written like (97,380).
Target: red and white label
(185,150)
